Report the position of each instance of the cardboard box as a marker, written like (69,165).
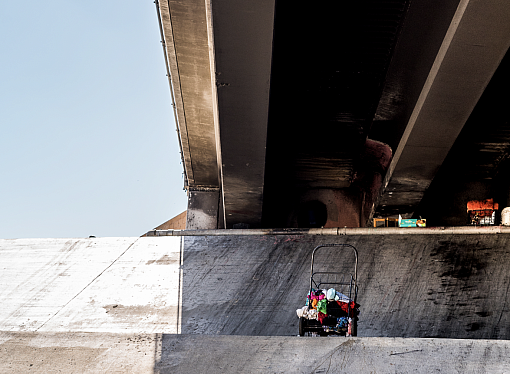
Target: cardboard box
(408,223)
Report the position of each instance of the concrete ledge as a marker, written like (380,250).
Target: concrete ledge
(459,230)
(166,353)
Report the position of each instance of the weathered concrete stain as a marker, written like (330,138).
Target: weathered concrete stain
(453,286)
(165,259)
(341,207)
(76,353)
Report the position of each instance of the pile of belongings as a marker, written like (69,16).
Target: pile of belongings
(332,309)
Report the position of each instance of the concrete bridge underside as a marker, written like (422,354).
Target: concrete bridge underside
(299,115)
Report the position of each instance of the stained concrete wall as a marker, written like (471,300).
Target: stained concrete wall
(337,207)
(203,209)
(447,286)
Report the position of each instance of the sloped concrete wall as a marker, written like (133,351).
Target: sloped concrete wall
(419,286)
(448,286)
(96,284)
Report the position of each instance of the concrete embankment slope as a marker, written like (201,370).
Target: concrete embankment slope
(170,354)
(96,284)
(447,286)
(421,286)
(121,304)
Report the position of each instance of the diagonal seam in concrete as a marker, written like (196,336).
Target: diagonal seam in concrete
(84,288)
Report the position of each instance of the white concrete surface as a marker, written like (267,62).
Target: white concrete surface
(96,284)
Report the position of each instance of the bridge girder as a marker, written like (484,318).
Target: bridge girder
(246,158)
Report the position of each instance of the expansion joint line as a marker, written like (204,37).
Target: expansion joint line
(84,288)
(179,295)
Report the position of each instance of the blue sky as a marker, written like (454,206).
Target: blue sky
(88,143)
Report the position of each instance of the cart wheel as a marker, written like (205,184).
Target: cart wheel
(302,326)
(354,327)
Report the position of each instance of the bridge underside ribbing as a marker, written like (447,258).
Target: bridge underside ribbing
(325,115)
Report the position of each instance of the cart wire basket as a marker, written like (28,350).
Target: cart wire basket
(345,285)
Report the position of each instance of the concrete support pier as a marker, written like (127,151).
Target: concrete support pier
(202,209)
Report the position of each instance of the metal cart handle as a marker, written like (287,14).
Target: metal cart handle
(336,245)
